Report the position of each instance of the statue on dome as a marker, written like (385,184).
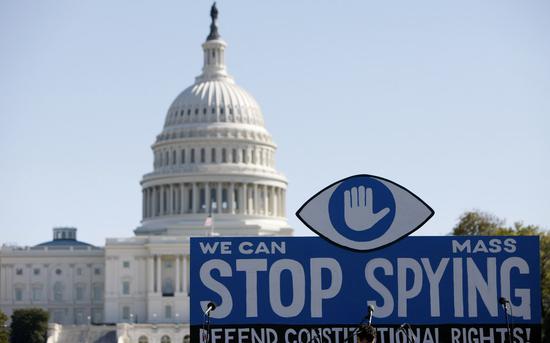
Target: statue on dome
(213,27)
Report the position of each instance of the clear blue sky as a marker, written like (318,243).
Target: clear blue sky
(449,99)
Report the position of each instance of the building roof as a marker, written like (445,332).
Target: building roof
(64,243)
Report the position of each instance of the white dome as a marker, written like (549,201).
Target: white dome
(214,101)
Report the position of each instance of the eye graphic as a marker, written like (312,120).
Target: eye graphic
(364,212)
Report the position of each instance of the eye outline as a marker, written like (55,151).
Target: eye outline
(408,232)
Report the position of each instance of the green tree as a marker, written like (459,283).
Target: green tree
(480,223)
(29,326)
(4,335)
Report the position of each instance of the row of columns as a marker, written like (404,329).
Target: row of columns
(180,276)
(188,198)
(264,157)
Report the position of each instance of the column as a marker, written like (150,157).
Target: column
(159,286)
(273,200)
(194,198)
(161,211)
(151,273)
(185,280)
(183,203)
(255,200)
(150,202)
(207,200)
(245,199)
(231,198)
(219,197)
(283,200)
(144,203)
(170,199)
(178,277)
(266,198)
(154,202)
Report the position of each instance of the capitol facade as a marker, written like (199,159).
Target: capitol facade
(213,174)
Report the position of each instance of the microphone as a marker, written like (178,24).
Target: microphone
(503,301)
(209,308)
(370,312)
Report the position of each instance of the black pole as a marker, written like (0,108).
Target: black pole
(504,302)
(403,328)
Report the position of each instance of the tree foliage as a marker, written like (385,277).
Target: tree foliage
(480,223)
(4,335)
(29,326)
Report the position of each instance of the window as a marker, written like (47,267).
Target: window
(126,287)
(203,155)
(97,271)
(126,264)
(143,339)
(174,157)
(36,271)
(58,316)
(167,311)
(58,271)
(97,293)
(19,271)
(224,156)
(196,111)
(234,156)
(79,293)
(58,291)
(192,155)
(97,315)
(126,312)
(183,156)
(18,294)
(78,271)
(165,339)
(213,155)
(244,156)
(186,339)
(167,158)
(36,293)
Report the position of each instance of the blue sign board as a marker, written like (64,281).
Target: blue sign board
(444,287)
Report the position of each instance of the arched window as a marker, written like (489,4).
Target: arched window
(186,339)
(165,339)
(143,339)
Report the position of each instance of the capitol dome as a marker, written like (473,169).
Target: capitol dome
(214,159)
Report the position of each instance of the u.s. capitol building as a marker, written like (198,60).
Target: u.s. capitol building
(213,158)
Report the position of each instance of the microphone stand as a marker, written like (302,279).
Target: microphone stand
(403,328)
(206,328)
(356,331)
(505,307)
